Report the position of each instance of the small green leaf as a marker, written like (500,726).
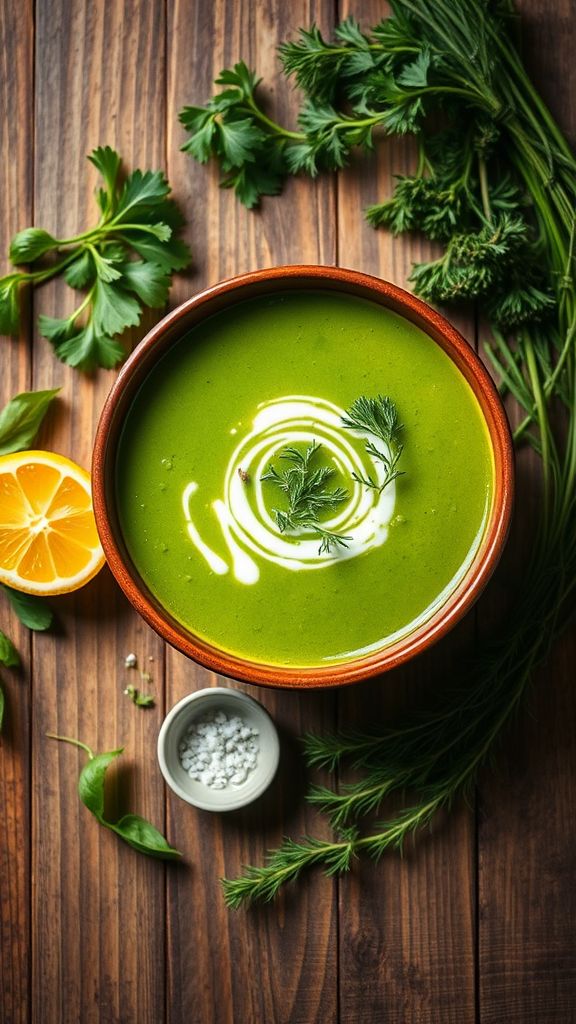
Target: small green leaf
(105,268)
(20,419)
(31,243)
(32,611)
(172,255)
(79,273)
(253,181)
(141,700)
(142,190)
(107,160)
(201,123)
(9,307)
(239,76)
(8,654)
(88,349)
(91,781)
(114,309)
(56,329)
(150,282)
(239,139)
(415,74)
(144,837)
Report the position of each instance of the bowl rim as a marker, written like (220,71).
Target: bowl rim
(174,714)
(224,295)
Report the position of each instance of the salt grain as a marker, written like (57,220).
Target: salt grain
(219,751)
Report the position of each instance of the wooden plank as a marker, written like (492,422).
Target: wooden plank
(527,805)
(16,77)
(407,925)
(278,963)
(98,907)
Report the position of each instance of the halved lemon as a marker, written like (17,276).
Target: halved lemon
(48,538)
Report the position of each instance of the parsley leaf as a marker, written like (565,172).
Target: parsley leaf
(124,263)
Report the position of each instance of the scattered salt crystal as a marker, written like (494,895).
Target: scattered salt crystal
(130,661)
(219,751)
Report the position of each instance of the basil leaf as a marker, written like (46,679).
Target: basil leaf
(91,782)
(20,420)
(134,830)
(8,654)
(32,611)
(144,837)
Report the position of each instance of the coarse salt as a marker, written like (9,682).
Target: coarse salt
(219,751)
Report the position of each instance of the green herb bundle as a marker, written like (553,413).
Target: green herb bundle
(121,265)
(495,187)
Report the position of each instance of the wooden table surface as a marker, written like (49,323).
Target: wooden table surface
(476,923)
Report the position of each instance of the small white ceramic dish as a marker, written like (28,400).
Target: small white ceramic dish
(179,719)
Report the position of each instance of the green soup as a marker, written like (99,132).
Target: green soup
(224,402)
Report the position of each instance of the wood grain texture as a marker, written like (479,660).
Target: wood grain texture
(527,859)
(98,907)
(274,964)
(16,182)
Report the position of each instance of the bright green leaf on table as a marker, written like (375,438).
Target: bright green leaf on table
(137,219)
(33,612)
(9,310)
(134,830)
(8,654)
(141,700)
(11,659)
(20,419)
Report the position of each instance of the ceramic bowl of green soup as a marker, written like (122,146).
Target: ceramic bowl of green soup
(303,477)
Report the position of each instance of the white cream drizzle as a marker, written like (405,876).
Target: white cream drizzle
(249,531)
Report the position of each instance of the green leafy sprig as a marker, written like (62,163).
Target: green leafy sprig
(123,264)
(379,417)
(134,830)
(308,496)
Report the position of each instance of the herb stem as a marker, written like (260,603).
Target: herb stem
(74,742)
(277,129)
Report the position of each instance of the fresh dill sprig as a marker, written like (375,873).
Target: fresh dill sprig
(377,416)
(308,496)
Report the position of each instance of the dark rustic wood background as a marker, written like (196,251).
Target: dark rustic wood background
(476,923)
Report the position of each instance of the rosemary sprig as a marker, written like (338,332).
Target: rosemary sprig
(308,496)
(377,416)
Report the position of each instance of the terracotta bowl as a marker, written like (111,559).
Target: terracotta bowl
(223,296)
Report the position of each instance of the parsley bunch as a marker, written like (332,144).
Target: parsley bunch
(495,187)
(468,191)
(122,264)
